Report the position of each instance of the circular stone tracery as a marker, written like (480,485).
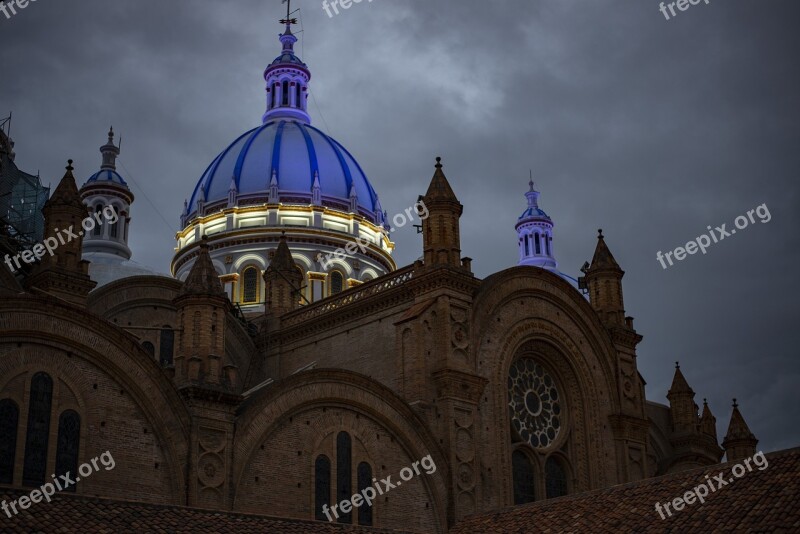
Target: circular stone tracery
(534,404)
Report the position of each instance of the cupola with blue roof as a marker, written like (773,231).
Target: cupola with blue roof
(284,175)
(535,231)
(106,188)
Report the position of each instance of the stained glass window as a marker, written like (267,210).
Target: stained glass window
(364,476)
(69,435)
(524,479)
(250,285)
(322,486)
(337,282)
(166,346)
(151,350)
(9,421)
(555,478)
(344,473)
(35,464)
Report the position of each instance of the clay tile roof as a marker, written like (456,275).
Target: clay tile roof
(74,514)
(765,500)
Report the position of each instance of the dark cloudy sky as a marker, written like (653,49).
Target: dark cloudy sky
(648,128)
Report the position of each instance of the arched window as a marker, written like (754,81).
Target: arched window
(41,400)
(555,480)
(285,94)
(299,97)
(322,486)
(9,421)
(149,348)
(98,228)
(115,225)
(250,285)
(364,477)
(166,346)
(344,473)
(547,240)
(527,246)
(272,96)
(523,477)
(69,435)
(537,243)
(337,282)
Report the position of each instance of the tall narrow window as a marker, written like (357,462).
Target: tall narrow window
(537,243)
(527,247)
(98,228)
(322,486)
(547,239)
(337,282)
(115,225)
(524,480)
(166,346)
(285,94)
(272,96)
(35,464)
(555,478)
(364,476)
(299,97)
(9,421)
(250,285)
(69,435)
(344,473)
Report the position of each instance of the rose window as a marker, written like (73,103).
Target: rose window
(535,404)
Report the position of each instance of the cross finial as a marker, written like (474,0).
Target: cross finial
(735,405)
(677,365)
(600,235)
(288,21)
(69,165)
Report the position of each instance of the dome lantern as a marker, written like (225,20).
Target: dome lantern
(287,80)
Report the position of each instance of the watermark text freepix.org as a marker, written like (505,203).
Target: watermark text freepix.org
(704,241)
(335,4)
(360,244)
(59,483)
(701,491)
(682,5)
(50,244)
(12,6)
(368,494)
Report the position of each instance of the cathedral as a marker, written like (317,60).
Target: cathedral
(254,379)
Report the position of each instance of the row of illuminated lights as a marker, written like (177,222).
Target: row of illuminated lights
(249,289)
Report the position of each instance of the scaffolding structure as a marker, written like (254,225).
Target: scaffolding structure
(22,197)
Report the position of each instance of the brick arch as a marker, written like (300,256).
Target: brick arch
(116,353)
(326,388)
(538,310)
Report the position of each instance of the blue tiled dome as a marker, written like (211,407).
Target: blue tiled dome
(106,176)
(532,212)
(296,152)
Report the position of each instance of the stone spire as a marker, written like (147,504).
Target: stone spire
(282,279)
(203,279)
(604,281)
(739,442)
(708,423)
(65,272)
(683,410)
(441,229)
(202,307)
(535,234)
